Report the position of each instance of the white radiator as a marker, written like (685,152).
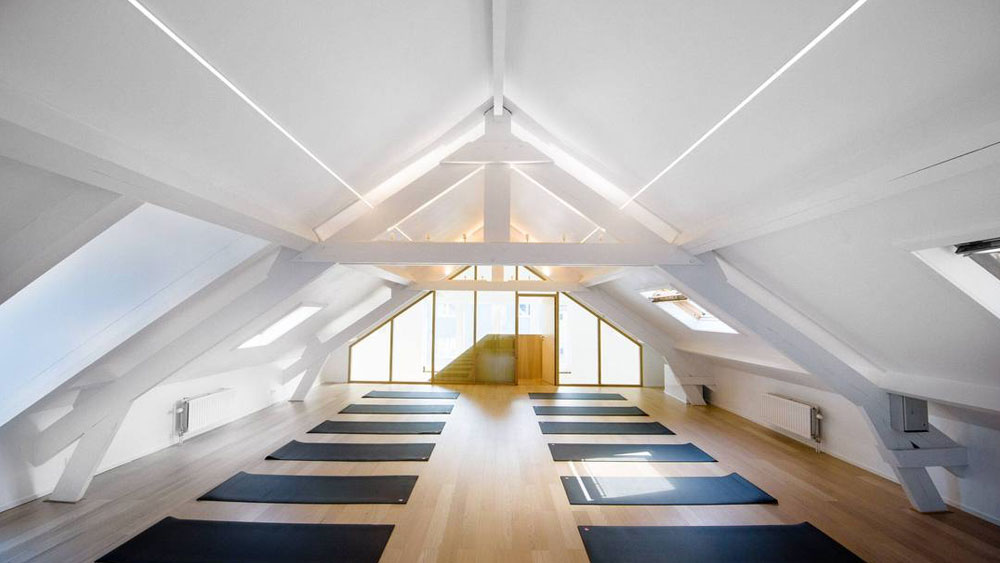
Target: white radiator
(793,416)
(197,414)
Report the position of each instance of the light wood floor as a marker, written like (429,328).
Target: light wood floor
(491,491)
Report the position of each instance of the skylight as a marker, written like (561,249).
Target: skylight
(972,267)
(284,324)
(694,316)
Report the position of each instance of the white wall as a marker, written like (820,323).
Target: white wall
(336,368)
(109,289)
(846,435)
(652,367)
(147,428)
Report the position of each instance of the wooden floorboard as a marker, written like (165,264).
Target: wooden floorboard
(491,491)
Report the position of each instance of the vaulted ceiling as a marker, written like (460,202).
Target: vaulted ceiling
(349,100)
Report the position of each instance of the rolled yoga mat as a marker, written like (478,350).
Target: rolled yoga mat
(312,451)
(212,541)
(628,452)
(589,411)
(397,409)
(366,427)
(314,489)
(603,428)
(711,544)
(578,396)
(411,395)
(730,489)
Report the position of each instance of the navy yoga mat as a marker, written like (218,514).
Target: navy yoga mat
(397,409)
(628,452)
(603,428)
(312,451)
(411,395)
(314,489)
(212,541)
(366,427)
(780,543)
(589,411)
(730,489)
(578,396)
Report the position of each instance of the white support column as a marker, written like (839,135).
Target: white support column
(89,452)
(179,337)
(812,348)
(308,379)
(496,209)
(499,52)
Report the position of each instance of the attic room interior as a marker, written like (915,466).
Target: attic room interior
(499,280)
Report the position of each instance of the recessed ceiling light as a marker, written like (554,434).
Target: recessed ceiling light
(282,326)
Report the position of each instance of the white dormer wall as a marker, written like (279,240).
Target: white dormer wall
(254,377)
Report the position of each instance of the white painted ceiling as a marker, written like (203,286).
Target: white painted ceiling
(627,86)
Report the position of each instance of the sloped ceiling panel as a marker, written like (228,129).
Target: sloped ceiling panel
(364,84)
(44,218)
(894,79)
(851,274)
(104,65)
(542,215)
(633,84)
(109,289)
(458,212)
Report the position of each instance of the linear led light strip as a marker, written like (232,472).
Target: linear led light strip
(836,23)
(427,203)
(597,228)
(215,72)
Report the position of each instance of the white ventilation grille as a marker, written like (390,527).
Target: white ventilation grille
(795,417)
(197,414)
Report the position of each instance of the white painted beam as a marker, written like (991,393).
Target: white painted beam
(499,53)
(40,136)
(401,297)
(808,345)
(50,240)
(89,452)
(496,208)
(588,173)
(513,285)
(489,253)
(381,273)
(309,379)
(496,203)
(931,457)
(179,337)
(409,170)
(605,277)
(367,224)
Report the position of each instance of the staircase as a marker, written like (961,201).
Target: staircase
(492,358)
(461,370)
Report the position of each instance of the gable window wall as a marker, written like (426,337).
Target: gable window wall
(434,337)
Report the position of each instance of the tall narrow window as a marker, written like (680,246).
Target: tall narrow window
(370,356)
(494,313)
(453,330)
(577,344)
(620,358)
(412,340)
